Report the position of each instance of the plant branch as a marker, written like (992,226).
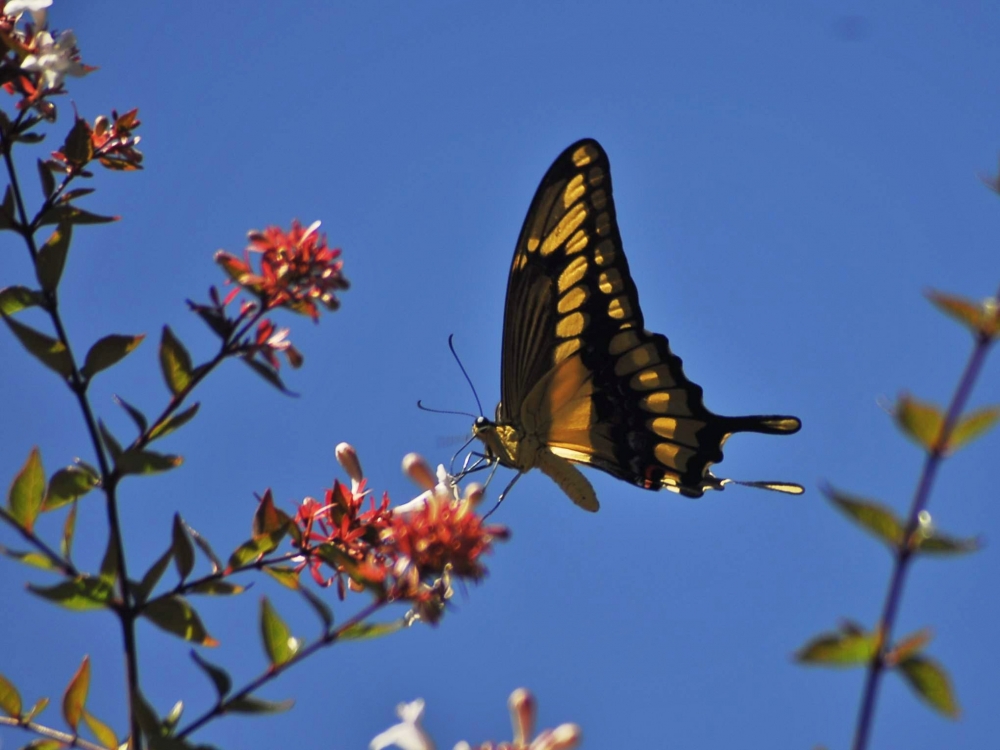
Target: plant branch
(64,565)
(69,740)
(328,638)
(904,554)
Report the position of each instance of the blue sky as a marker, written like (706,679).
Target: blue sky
(789,178)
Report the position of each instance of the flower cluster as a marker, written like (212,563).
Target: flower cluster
(34,61)
(408,553)
(410,735)
(298,270)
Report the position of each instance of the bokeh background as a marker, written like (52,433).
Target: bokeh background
(790,176)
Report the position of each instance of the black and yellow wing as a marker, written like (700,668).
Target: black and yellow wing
(582,381)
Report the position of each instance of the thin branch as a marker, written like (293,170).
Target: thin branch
(60,562)
(329,638)
(69,740)
(904,555)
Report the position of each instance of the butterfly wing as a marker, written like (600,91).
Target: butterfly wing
(579,371)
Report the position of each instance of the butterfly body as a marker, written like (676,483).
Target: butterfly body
(582,381)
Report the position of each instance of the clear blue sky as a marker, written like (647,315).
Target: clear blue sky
(789,178)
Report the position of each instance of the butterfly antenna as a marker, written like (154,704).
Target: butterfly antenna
(420,405)
(451,345)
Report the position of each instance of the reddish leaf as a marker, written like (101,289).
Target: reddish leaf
(75,697)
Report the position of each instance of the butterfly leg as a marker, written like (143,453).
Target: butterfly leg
(502,494)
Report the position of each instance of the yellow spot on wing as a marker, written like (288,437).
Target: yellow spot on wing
(565,349)
(572,299)
(566,226)
(577,242)
(572,325)
(572,274)
(637,359)
(674,456)
(584,155)
(574,191)
(610,281)
(604,253)
(666,403)
(652,379)
(619,308)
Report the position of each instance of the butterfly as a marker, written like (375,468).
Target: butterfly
(582,381)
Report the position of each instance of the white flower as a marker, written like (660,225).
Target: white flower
(55,59)
(35,7)
(408,734)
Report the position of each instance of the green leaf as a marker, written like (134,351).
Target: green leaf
(153,575)
(875,518)
(78,147)
(286,576)
(250,705)
(173,422)
(841,649)
(936,543)
(109,563)
(13,299)
(175,362)
(46,350)
(66,213)
(27,491)
(215,587)
(367,630)
(105,736)
(67,485)
(79,594)
(10,699)
(7,220)
(920,421)
(324,612)
(40,705)
(279,643)
(75,697)
(69,529)
(52,257)
(34,559)
(110,441)
(219,677)
(134,414)
(108,351)
(971,425)
(47,179)
(254,549)
(40,744)
(269,374)
(182,548)
(931,682)
(134,461)
(175,615)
